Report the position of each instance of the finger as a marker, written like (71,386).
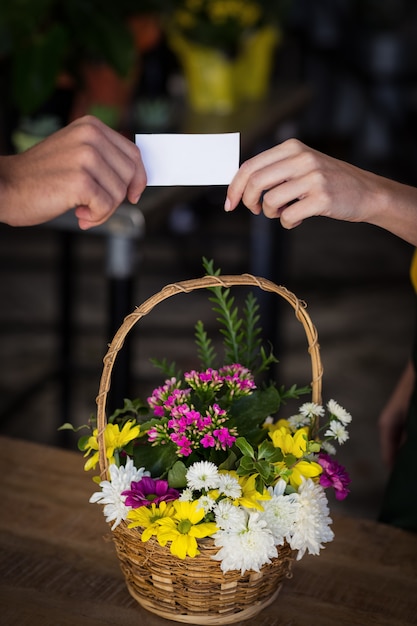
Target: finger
(247,175)
(285,180)
(89,219)
(138,182)
(259,173)
(102,179)
(121,154)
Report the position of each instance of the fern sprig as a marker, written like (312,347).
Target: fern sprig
(169,370)
(231,324)
(205,349)
(242,335)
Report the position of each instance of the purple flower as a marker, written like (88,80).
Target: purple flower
(334,475)
(149,491)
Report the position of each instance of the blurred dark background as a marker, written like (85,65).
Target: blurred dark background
(60,301)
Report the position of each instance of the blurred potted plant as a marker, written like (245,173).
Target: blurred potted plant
(45,44)
(226,48)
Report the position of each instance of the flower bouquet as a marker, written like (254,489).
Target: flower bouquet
(210,493)
(226,49)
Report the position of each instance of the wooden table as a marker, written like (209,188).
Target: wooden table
(58,568)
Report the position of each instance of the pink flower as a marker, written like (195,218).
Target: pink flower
(225,438)
(334,475)
(183,443)
(208,441)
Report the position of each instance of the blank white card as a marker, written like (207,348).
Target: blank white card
(189,159)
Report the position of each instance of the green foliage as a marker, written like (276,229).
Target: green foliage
(260,462)
(224,24)
(157,460)
(39,39)
(132,409)
(241,334)
(205,349)
(169,370)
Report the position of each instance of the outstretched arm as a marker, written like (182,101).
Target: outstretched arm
(86,166)
(293,182)
(393,417)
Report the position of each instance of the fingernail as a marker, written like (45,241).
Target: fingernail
(227,205)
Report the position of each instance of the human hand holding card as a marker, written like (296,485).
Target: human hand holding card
(189,159)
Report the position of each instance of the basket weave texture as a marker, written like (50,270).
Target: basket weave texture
(195,590)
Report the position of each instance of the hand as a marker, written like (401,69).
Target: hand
(393,417)
(293,182)
(86,166)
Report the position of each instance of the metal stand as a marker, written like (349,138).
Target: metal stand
(122,232)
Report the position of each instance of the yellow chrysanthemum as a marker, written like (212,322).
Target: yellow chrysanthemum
(114,439)
(295,444)
(304,469)
(282,423)
(148,518)
(250,496)
(184,528)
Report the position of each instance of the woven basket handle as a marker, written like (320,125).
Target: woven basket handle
(187,286)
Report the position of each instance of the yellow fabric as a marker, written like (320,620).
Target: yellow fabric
(413,270)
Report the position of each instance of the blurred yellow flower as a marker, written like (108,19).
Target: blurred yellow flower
(114,439)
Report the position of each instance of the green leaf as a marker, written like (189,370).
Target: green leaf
(229,463)
(293,393)
(290,460)
(245,447)
(314,447)
(249,412)
(157,459)
(68,426)
(259,484)
(269,452)
(264,469)
(82,442)
(177,475)
(131,409)
(247,464)
(36,67)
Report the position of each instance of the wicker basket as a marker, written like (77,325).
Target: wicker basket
(195,590)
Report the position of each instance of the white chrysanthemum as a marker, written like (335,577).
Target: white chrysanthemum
(202,475)
(111,491)
(312,525)
(338,431)
(229,517)
(280,512)
(206,503)
(298,421)
(229,486)
(248,549)
(312,409)
(328,447)
(186,495)
(339,412)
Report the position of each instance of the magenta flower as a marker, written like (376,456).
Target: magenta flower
(149,491)
(334,475)
(208,441)
(183,443)
(225,438)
